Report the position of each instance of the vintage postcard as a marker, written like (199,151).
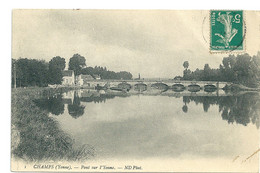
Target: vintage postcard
(135,90)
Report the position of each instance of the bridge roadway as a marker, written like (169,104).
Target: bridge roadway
(149,83)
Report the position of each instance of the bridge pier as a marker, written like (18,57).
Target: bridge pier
(160,85)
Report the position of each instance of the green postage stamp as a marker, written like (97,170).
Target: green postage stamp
(226,30)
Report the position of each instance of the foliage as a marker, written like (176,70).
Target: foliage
(30,72)
(186,72)
(186,64)
(56,65)
(240,69)
(77,63)
(106,74)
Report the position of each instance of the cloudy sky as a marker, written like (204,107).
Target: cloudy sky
(151,42)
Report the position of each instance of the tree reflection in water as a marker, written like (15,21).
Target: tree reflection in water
(242,109)
(52,104)
(55,104)
(185,107)
(76,109)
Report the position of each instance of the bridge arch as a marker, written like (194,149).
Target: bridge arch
(210,88)
(178,87)
(160,86)
(194,88)
(140,87)
(124,86)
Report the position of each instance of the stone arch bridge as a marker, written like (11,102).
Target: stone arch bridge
(160,85)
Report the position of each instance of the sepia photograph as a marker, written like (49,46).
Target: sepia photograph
(135,90)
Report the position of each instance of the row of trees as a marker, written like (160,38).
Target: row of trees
(241,69)
(78,64)
(106,74)
(32,72)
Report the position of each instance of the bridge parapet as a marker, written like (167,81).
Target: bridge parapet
(170,83)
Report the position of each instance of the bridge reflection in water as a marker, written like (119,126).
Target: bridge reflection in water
(242,107)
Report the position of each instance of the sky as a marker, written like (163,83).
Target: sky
(154,43)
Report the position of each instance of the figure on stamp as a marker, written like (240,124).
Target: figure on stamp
(226,20)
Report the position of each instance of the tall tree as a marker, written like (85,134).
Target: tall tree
(87,70)
(56,66)
(77,63)
(186,65)
(186,72)
(207,72)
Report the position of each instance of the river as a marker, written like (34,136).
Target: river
(182,127)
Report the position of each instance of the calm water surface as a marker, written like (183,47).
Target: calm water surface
(123,126)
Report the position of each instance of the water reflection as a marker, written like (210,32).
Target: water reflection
(240,108)
(76,109)
(185,125)
(72,101)
(52,104)
(185,107)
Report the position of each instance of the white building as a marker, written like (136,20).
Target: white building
(68,77)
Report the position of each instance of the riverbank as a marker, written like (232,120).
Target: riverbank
(35,135)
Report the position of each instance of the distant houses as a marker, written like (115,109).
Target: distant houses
(83,79)
(69,78)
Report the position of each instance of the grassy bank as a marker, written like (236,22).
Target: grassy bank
(35,135)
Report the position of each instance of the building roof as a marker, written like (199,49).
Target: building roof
(86,77)
(67,73)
